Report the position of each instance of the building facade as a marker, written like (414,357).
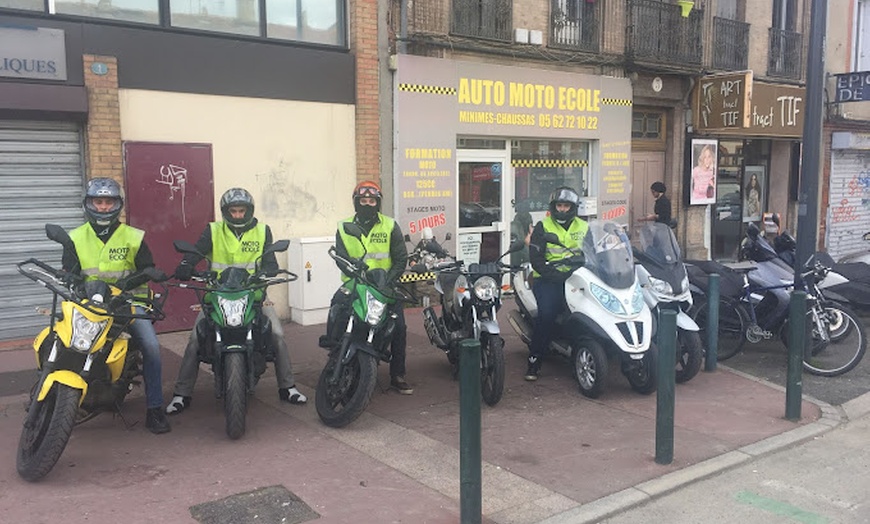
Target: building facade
(180,101)
(481,85)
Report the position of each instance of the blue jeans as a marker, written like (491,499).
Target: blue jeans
(550,296)
(142,331)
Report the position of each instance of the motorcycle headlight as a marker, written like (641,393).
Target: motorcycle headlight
(85,332)
(374,309)
(485,288)
(637,300)
(660,286)
(607,299)
(233,310)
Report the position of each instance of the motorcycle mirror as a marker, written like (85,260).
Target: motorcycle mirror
(517,245)
(353,230)
(407,237)
(58,234)
(434,248)
(183,246)
(277,247)
(155,274)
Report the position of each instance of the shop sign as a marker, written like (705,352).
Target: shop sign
(777,110)
(722,101)
(853,87)
(32,52)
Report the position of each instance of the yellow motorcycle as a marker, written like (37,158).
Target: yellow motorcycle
(86,361)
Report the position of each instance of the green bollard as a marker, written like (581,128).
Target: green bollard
(471,508)
(712,323)
(797,343)
(667,342)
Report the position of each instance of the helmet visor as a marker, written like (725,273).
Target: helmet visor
(367,191)
(565,195)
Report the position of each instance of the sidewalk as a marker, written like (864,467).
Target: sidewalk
(550,455)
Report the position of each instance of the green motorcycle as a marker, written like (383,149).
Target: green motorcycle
(346,384)
(235,337)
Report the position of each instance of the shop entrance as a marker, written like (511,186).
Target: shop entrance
(484,206)
(646,167)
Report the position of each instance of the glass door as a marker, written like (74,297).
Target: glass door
(483,183)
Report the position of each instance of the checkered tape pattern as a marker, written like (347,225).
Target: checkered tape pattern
(416,277)
(432,90)
(616,101)
(543,162)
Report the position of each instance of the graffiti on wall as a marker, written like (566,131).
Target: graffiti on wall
(175,178)
(285,196)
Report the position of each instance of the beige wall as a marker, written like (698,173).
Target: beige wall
(840,36)
(296,158)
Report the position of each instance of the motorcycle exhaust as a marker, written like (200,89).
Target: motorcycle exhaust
(435,329)
(523,329)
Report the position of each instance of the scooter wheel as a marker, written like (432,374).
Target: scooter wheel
(590,366)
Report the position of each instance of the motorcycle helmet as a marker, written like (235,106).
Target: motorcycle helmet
(103,188)
(237,197)
(367,189)
(564,195)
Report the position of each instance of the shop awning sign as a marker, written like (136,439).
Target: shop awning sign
(853,87)
(32,52)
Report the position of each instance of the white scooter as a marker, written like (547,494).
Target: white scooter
(665,285)
(606,311)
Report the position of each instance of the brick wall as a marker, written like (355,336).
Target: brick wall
(103,133)
(364,44)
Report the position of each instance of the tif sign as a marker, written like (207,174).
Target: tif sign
(853,87)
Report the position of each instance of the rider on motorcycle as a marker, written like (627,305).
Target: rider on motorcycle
(227,243)
(97,244)
(549,280)
(385,249)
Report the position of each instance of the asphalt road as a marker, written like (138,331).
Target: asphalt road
(769,360)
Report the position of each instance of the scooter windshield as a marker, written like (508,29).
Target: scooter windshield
(658,243)
(608,254)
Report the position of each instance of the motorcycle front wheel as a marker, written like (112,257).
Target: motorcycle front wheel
(841,349)
(590,366)
(690,353)
(491,369)
(641,374)
(42,444)
(340,403)
(235,394)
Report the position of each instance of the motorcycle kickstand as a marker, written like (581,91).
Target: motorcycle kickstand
(127,425)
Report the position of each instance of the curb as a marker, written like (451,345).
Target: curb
(605,507)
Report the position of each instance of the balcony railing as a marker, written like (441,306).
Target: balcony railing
(490,19)
(574,24)
(657,32)
(786,50)
(731,44)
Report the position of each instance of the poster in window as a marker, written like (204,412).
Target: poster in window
(753,193)
(704,162)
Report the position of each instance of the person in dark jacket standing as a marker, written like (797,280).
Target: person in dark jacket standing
(662,209)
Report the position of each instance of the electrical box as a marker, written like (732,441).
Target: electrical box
(319,279)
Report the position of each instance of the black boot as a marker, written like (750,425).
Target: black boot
(156,422)
(533,368)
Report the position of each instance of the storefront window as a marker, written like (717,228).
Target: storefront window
(144,11)
(479,193)
(241,17)
(315,21)
(540,166)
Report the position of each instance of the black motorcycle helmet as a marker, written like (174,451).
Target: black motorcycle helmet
(564,195)
(237,197)
(103,188)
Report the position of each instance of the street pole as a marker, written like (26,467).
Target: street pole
(808,193)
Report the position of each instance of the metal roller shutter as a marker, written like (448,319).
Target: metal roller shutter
(849,210)
(41,180)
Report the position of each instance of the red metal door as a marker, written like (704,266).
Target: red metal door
(170,194)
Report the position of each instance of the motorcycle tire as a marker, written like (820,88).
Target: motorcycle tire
(690,354)
(40,446)
(340,404)
(491,369)
(590,366)
(235,394)
(842,352)
(642,375)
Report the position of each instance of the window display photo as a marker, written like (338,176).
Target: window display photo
(703,178)
(753,193)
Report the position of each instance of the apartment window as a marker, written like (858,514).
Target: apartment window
(574,24)
(241,17)
(646,125)
(862,37)
(489,19)
(785,15)
(727,9)
(315,21)
(143,11)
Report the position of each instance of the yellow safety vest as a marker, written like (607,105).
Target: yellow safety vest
(229,251)
(571,238)
(111,261)
(375,245)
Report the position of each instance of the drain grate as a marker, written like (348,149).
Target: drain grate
(269,505)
